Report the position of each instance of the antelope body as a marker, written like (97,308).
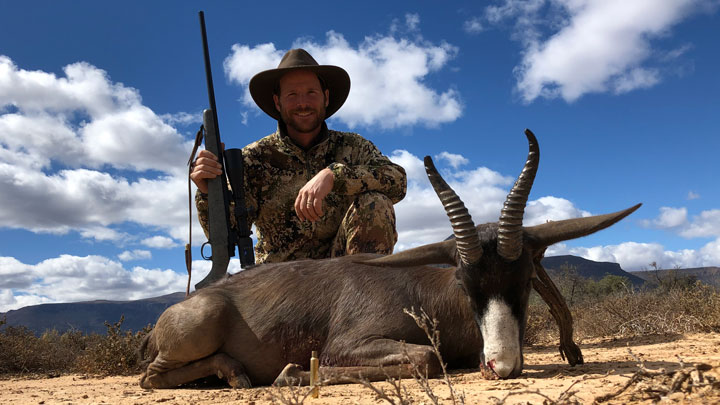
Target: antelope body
(260,325)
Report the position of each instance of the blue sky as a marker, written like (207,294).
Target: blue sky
(99,102)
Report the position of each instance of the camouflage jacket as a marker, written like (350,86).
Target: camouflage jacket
(276,169)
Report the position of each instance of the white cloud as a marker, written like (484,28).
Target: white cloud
(693,195)
(388,77)
(412,21)
(637,78)
(707,224)
(93,129)
(453,160)
(704,225)
(74,278)
(669,218)
(182,118)
(70,278)
(159,242)
(576,47)
(634,256)
(421,218)
(137,254)
(473,25)
(101,233)
(551,208)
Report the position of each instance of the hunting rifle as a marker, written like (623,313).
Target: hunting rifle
(222,238)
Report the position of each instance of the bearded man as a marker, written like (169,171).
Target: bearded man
(311,192)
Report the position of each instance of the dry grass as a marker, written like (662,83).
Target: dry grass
(53,353)
(625,312)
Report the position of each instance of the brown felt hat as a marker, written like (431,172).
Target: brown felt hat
(336,79)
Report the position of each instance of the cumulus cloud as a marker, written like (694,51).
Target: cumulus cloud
(421,218)
(704,225)
(633,256)
(84,119)
(91,129)
(74,278)
(70,278)
(160,242)
(576,47)
(669,218)
(388,72)
(453,159)
(137,254)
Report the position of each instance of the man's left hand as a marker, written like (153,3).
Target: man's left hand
(309,202)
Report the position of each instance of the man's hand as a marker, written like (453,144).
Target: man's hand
(309,202)
(206,166)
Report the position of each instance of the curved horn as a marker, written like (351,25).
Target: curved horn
(435,253)
(467,240)
(546,234)
(510,234)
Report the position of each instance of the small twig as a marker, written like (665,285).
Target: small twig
(430,327)
(399,391)
(295,393)
(663,388)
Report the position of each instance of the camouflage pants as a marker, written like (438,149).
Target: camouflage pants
(368,227)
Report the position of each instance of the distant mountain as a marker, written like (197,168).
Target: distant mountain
(589,269)
(90,316)
(708,275)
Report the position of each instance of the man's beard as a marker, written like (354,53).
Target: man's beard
(288,118)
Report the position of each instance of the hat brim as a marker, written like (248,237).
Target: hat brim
(336,79)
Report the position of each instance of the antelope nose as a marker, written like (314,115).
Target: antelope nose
(504,369)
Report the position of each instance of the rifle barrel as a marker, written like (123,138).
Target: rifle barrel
(208,74)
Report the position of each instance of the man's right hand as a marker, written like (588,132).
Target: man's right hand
(206,166)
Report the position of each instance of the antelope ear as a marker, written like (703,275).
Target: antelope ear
(435,253)
(544,235)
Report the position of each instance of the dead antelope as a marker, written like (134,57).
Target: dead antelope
(260,325)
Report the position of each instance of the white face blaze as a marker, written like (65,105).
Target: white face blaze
(501,338)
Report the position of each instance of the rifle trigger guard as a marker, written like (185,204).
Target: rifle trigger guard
(202,251)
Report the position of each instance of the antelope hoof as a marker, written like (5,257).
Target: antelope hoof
(292,374)
(239,381)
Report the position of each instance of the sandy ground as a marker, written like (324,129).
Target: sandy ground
(609,366)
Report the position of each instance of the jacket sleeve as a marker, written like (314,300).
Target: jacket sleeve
(201,204)
(363,168)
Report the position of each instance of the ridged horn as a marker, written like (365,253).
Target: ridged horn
(557,231)
(510,232)
(466,237)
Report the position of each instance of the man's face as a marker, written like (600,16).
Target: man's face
(301,102)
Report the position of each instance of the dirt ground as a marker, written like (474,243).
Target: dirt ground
(609,366)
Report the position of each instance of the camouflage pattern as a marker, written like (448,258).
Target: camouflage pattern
(358,212)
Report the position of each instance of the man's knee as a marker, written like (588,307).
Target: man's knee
(374,203)
(370,225)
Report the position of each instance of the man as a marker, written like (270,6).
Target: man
(311,192)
